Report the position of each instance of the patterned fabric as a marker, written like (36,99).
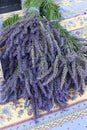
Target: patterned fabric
(17,118)
(74,116)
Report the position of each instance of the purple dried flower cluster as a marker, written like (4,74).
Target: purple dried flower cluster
(37,64)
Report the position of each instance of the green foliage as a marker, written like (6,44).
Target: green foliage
(71,41)
(27,3)
(50,10)
(11,20)
(47,8)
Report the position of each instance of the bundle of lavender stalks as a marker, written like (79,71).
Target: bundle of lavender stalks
(42,62)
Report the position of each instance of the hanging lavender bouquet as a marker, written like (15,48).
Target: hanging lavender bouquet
(42,62)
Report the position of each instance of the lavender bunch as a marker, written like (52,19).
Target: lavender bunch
(38,64)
